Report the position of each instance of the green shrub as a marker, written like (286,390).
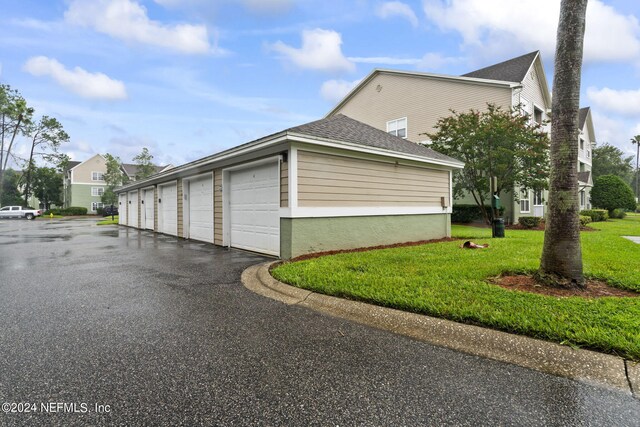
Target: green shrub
(585,220)
(529,221)
(465,214)
(100,211)
(74,210)
(617,214)
(596,215)
(55,211)
(611,192)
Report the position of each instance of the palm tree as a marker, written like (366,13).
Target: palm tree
(561,262)
(636,140)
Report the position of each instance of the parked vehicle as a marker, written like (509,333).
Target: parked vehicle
(109,210)
(19,212)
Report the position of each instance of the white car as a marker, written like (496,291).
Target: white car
(19,212)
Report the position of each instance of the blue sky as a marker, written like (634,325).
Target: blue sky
(187,78)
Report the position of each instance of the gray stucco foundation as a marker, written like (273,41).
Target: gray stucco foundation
(299,236)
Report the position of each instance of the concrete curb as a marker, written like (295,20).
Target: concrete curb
(582,365)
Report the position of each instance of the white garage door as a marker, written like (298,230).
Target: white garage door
(132,218)
(147,217)
(168,209)
(199,208)
(254,208)
(122,208)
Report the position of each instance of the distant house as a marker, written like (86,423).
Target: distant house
(84,182)
(409,104)
(585,155)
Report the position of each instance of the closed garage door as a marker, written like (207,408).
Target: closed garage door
(122,208)
(148,211)
(254,208)
(168,209)
(199,208)
(132,218)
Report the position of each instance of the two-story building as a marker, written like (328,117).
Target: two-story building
(409,104)
(84,182)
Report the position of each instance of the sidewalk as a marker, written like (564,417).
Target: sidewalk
(581,365)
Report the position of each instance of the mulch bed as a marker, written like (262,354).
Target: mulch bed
(595,288)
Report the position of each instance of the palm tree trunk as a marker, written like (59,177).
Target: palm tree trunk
(561,262)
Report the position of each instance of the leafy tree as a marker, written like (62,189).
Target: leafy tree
(10,189)
(495,142)
(610,160)
(114,178)
(561,262)
(46,137)
(610,192)
(47,186)
(145,165)
(15,117)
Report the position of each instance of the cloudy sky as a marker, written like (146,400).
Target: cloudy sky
(188,78)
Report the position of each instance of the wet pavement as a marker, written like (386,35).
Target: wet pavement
(114,326)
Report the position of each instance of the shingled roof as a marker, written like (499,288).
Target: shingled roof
(512,70)
(131,170)
(346,129)
(584,112)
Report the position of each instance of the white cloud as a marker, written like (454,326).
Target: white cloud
(78,80)
(127,20)
(335,90)
(384,60)
(397,8)
(624,102)
(435,61)
(320,51)
(497,25)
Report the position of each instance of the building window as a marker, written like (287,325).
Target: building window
(537,115)
(97,191)
(581,144)
(582,199)
(525,202)
(97,176)
(537,198)
(96,205)
(398,127)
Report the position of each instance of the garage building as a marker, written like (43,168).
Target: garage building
(331,184)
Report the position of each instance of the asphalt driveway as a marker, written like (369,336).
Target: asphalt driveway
(109,325)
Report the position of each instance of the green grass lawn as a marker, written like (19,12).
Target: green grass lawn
(445,281)
(107,220)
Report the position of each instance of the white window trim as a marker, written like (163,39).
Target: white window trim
(533,114)
(528,199)
(406,126)
(95,191)
(95,207)
(97,172)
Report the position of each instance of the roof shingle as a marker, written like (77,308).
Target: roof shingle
(512,70)
(346,129)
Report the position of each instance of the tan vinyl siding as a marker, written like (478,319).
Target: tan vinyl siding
(532,92)
(284,184)
(326,180)
(421,100)
(217,207)
(179,207)
(139,213)
(82,172)
(155,208)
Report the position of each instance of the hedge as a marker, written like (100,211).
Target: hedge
(596,215)
(529,221)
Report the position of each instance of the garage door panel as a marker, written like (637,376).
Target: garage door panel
(254,208)
(132,218)
(148,209)
(200,208)
(168,209)
(122,209)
